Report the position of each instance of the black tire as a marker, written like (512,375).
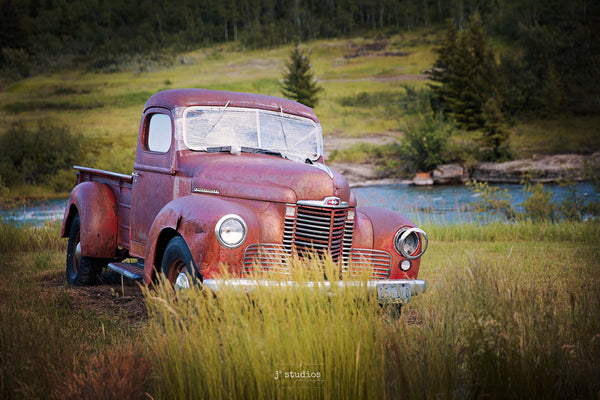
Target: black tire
(81,270)
(176,259)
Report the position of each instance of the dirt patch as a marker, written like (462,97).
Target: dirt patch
(116,299)
(374,49)
(360,174)
(333,142)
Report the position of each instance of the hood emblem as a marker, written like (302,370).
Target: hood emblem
(333,201)
(329,202)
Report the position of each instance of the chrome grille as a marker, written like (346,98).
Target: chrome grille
(374,263)
(266,258)
(324,230)
(316,229)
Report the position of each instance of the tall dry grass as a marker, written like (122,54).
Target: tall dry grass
(497,321)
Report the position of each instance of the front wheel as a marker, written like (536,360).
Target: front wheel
(177,264)
(81,270)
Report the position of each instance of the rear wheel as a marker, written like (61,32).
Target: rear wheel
(177,264)
(81,270)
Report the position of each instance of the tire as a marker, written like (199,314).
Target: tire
(177,259)
(81,270)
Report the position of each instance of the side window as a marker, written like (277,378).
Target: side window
(159,133)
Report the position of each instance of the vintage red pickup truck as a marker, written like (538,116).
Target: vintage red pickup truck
(236,181)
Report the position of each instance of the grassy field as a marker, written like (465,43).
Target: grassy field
(105,107)
(511,311)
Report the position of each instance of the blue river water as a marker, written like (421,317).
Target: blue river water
(423,204)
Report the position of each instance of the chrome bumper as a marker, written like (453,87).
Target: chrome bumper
(414,287)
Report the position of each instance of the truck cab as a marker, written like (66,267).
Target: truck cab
(233,182)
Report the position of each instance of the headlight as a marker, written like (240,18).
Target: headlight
(407,241)
(231,231)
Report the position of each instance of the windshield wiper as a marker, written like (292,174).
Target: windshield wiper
(251,150)
(282,122)
(217,121)
(218,149)
(262,151)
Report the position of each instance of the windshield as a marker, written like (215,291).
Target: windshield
(292,136)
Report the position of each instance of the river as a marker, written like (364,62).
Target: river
(423,204)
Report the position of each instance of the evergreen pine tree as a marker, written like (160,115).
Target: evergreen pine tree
(443,72)
(495,133)
(467,76)
(299,81)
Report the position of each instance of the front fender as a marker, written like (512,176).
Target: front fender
(385,224)
(95,203)
(194,217)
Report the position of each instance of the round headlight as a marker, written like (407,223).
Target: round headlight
(407,241)
(231,231)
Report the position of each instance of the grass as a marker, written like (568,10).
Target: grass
(105,107)
(49,347)
(557,135)
(363,94)
(511,311)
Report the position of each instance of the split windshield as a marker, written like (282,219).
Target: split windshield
(292,136)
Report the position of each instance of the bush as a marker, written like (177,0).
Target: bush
(538,204)
(33,156)
(424,144)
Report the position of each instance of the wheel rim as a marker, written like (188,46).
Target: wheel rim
(177,269)
(182,281)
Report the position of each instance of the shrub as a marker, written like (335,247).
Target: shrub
(424,144)
(538,205)
(32,156)
(491,199)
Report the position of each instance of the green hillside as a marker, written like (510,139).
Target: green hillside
(372,87)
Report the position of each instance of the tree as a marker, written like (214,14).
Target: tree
(495,133)
(424,144)
(443,72)
(465,75)
(299,81)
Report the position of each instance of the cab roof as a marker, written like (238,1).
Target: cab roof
(174,98)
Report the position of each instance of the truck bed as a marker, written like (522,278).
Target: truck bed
(121,185)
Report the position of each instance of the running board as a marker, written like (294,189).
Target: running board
(131,271)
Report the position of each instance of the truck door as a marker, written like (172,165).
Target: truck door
(153,175)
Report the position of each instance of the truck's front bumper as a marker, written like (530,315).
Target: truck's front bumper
(395,291)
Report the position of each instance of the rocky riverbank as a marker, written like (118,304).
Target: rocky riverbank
(545,169)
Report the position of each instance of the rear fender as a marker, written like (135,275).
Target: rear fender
(95,203)
(194,217)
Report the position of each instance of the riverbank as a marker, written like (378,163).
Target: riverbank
(546,169)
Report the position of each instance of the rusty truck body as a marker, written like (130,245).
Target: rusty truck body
(232,181)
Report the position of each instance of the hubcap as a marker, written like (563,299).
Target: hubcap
(77,257)
(182,281)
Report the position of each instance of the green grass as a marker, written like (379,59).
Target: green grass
(556,136)
(362,95)
(105,107)
(511,311)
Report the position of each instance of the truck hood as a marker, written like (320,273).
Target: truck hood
(266,178)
